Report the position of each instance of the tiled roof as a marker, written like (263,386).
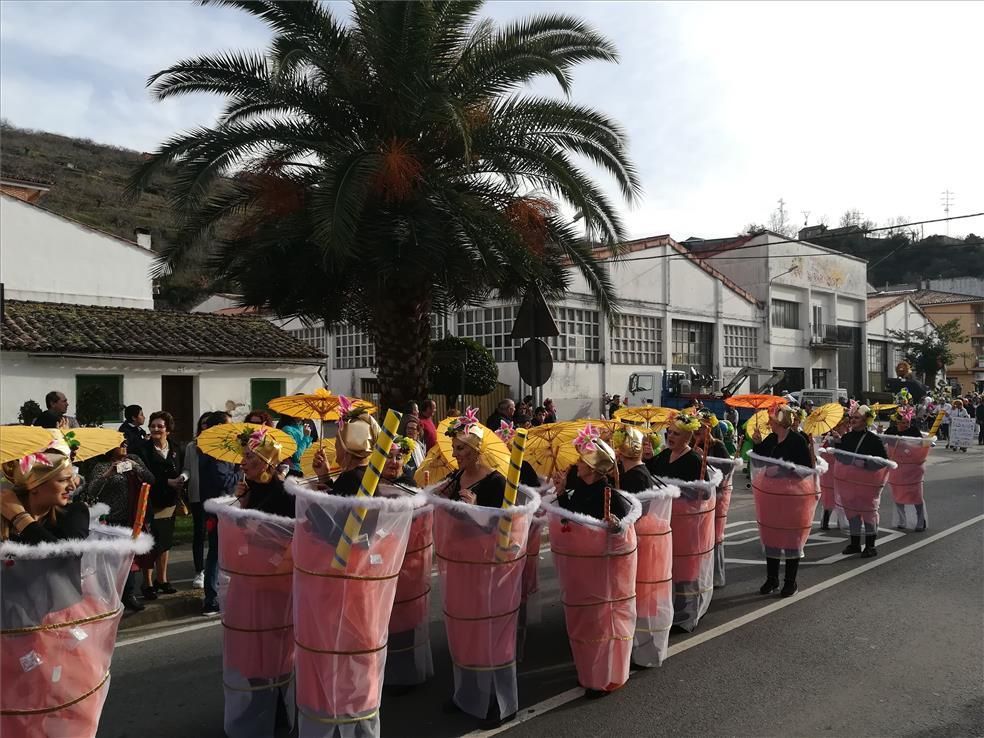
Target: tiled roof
(878,304)
(58,328)
(933,297)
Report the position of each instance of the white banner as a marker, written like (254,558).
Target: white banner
(963,431)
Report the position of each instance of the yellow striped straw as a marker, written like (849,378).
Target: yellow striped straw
(936,423)
(502,550)
(367,488)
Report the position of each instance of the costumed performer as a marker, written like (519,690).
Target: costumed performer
(907,479)
(357,434)
(692,521)
(255,532)
(594,545)
(482,590)
(634,476)
(786,498)
(409,661)
(719,457)
(860,440)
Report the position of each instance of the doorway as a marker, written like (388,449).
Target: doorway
(178,398)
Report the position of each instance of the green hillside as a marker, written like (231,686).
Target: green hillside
(87,180)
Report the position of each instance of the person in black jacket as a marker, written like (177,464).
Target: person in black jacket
(634,477)
(132,428)
(215,479)
(262,489)
(163,460)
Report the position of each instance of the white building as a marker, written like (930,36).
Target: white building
(888,313)
(676,312)
(77,316)
(816,306)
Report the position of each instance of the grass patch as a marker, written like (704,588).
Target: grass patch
(183,529)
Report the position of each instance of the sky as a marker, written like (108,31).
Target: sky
(729,107)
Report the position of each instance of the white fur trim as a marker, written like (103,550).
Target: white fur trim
(104,539)
(527,508)
(908,440)
(801,471)
(878,460)
(715,477)
(550,505)
(655,493)
(736,464)
(326,499)
(98,510)
(228,507)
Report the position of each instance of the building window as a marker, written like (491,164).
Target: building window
(740,346)
(100,394)
(491,327)
(637,339)
(261,391)
(353,349)
(580,335)
(978,319)
(820,378)
(692,345)
(315,336)
(877,357)
(785,314)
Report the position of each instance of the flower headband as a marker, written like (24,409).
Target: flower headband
(904,397)
(349,410)
(463,423)
(406,445)
(706,416)
(904,412)
(585,440)
(687,423)
(507,431)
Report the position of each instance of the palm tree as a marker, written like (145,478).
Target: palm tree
(379,170)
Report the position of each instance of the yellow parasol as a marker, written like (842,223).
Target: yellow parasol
(17,441)
(823,419)
(319,405)
(549,447)
(433,468)
(494,451)
(758,422)
(307,458)
(653,417)
(93,441)
(882,406)
(225,442)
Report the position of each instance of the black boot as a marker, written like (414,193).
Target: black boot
(789,586)
(869,548)
(772,576)
(130,603)
(825,523)
(853,547)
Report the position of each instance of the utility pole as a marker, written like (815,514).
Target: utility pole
(946,199)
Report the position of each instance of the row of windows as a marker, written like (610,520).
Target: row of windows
(635,339)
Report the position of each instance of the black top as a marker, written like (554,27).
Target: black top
(48,419)
(686,468)
(489,491)
(216,478)
(863,442)
(718,450)
(528,475)
(589,499)
(163,468)
(134,435)
(636,480)
(270,497)
(71,521)
(912,431)
(115,489)
(347,483)
(794,449)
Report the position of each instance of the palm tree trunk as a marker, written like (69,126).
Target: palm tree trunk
(401,330)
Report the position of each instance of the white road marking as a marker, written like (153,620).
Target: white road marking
(527,714)
(210,623)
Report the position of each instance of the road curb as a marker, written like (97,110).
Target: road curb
(167,607)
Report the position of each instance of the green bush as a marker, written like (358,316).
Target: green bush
(481,371)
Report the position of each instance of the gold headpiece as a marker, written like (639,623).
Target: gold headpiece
(358,435)
(628,442)
(34,470)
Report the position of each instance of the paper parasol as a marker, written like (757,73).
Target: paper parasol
(319,405)
(760,422)
(549,447)
(94,441)
(307,458)
(17,441)
(433,468)
(655,418)
(494,452)
(882,406)
(824,419)
(755,402)
(222,443)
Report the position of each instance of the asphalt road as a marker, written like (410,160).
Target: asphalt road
(892,646)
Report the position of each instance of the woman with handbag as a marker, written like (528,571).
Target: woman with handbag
(163,460)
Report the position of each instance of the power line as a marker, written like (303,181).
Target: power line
(793,240)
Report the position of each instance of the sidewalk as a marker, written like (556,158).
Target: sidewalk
(186,602)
